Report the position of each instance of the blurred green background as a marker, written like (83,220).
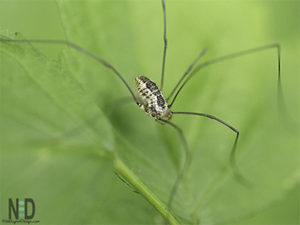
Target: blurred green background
(60,119)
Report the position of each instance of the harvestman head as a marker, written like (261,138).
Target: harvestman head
(148,96)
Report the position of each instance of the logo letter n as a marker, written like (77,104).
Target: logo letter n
(12,208)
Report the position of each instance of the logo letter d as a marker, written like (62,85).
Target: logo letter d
(29,200)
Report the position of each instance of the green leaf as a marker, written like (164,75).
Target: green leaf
(64,132)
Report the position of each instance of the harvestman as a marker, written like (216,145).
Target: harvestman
(149,97)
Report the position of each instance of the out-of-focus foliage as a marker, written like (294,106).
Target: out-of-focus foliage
(60,118)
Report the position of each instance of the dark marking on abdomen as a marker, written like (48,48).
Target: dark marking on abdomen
(144,79)
(151,85)
(160,101)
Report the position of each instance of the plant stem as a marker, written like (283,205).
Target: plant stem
(131,178)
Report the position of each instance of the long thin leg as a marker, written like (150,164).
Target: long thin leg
(165,45)
(79,49)
(187,71)
(227,57)
(233,164)
(186,161)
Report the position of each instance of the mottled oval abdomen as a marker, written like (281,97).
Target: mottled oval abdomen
(150,98)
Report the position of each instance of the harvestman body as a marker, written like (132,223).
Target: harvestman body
(149,97)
